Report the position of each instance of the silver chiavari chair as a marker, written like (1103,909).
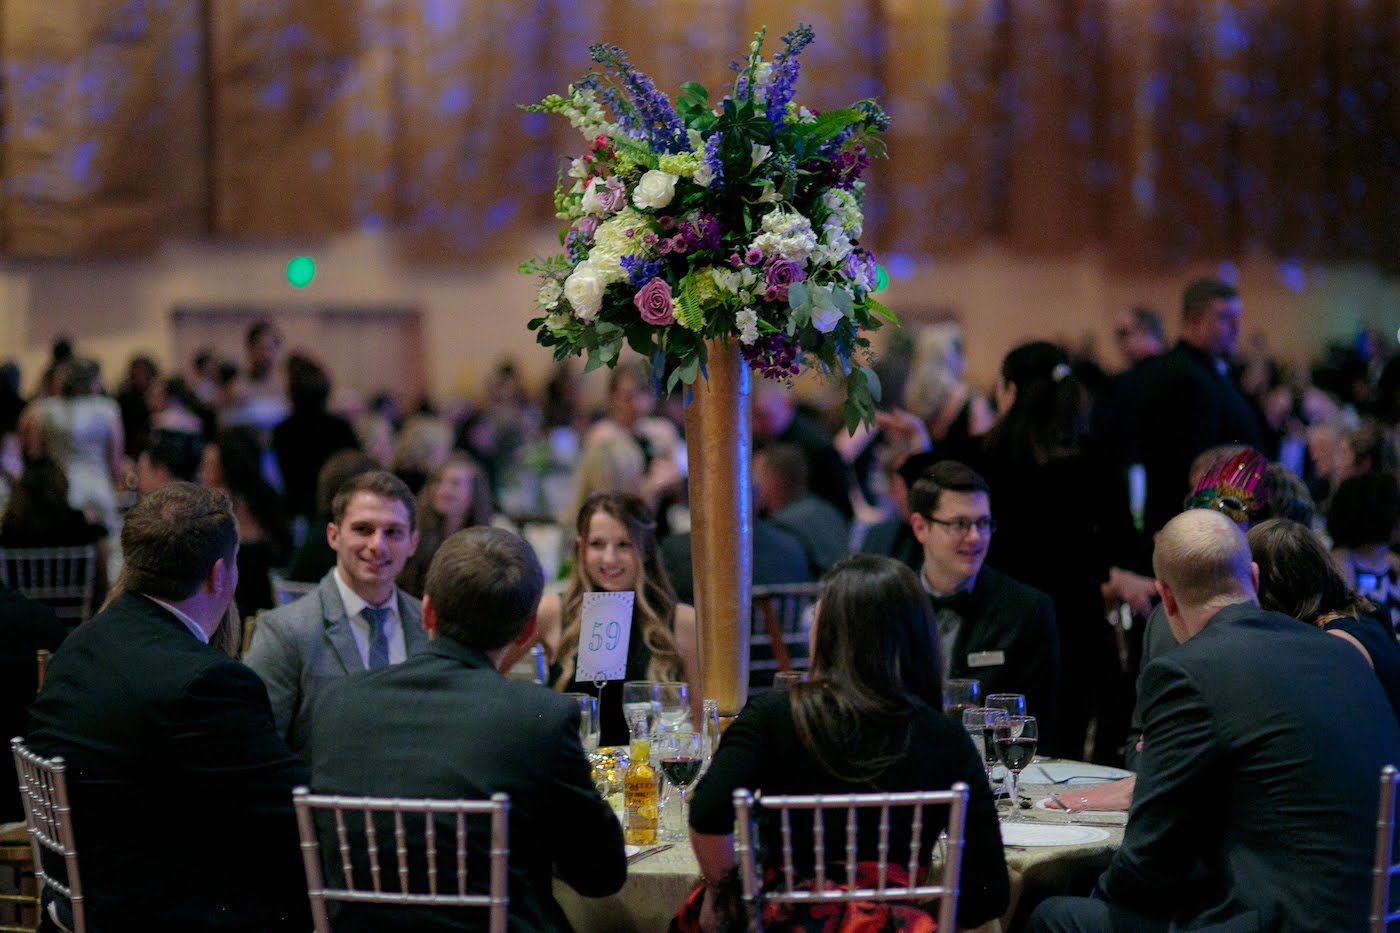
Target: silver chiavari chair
(363,841)
(819,805)
(1384,868)
(44,789)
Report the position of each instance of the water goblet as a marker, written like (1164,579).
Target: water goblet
(588,725)
(681,755)
(1015,740)
(638,698)
(981,724)
(672,702)
(959,695)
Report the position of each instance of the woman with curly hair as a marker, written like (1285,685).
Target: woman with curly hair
(616,551)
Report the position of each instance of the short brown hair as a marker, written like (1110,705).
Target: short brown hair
(1198,295)
(945,474)
(380,483)
(485,584)
(172,538)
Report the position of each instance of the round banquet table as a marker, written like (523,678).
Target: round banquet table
(659,882)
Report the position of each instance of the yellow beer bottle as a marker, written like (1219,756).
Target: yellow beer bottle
(640,789)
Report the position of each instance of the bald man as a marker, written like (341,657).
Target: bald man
(1263,740)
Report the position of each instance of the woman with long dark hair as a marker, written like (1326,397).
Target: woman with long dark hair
(233,462)
(456,496)
(868,719)
(615,551)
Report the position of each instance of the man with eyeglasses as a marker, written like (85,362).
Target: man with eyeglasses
(991,628)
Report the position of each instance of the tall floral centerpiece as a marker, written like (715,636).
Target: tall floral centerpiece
(715,239)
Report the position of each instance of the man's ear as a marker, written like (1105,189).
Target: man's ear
(1168,598)
(920,526)
(332,534)
(430,619)
(1254,576)
(413,542)
(219,577)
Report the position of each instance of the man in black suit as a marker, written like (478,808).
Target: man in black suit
(446,724)
(1263,739)
(181,785)
(26,627)
(991,627)
(1190,402)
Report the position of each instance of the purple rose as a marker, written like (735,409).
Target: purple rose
(612,197)
(586,226)
(780,274)
(653,302)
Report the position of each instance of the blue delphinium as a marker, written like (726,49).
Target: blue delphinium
(713,162)
(786,68)
(649,114)
(639,271)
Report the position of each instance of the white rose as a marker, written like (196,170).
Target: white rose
(655,190)
(590,203)
(549,294)
(584,289)
(704,175)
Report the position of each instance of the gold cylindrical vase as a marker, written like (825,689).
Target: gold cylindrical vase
(719,446)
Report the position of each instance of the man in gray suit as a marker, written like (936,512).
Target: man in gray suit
(356,619)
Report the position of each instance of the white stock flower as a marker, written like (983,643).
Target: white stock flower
(655,190)
(584,289)
(758,153)
(550,293)
(747,322)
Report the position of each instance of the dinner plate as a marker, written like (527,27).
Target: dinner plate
(1071,772)
(1029,833)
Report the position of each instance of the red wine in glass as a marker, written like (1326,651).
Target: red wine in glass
(680,771)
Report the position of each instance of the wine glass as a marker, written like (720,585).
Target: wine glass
(681,753)
(1013,703)
(672,702)
(959,695)
(709,727)
(1015,739)
(638,699)
(589,727)
(981,724)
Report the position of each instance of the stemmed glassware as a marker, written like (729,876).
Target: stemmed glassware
(959,695)
(639,698)
(589,726)
(1016,738)
(681,753)
(1013,703)
(981,723)
(671,700)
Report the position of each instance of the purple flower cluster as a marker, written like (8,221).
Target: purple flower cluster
(780,275)
(651,115)
(773,357)
(861,269)
(713,161)
(639,270)
(702,231)
(845,168)
(785,72)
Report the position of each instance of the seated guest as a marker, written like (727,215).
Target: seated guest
(232,463)
(780,491)
(446,724)
(616,551)
(777,419)
(1298,578)
(38,513)
(893,537)
(181,786)
(990,627)
(778,557)
(1361,518)
(26,628)
(869,718)
(456,496)
(1262,743)
(356,618)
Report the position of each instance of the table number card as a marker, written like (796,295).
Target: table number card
(603,636)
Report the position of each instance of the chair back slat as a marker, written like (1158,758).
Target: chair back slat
(788,890)
(364,841)
(777,632)
(62,578)
(1384,868)
(48,814)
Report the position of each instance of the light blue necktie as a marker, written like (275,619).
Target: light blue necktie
(378,637)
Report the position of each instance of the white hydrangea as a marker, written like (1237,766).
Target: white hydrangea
(611,243)
(845,208)
(747,322)
(834,247)
(786,234)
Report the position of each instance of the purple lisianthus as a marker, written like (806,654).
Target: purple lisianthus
(754,256)
(774,357)
(653,302)
(586,225)
(781,274)
(611,195)
(860,268)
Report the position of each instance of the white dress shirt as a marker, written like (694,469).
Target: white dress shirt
(190,624)
(393,625)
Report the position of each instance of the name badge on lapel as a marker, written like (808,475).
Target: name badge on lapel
(986,658)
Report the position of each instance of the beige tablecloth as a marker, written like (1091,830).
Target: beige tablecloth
(658,884)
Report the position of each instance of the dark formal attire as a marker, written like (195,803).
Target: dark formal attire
(446,724)
(181,786)
(761,752)
(26,627)
(827,474)
(1190,404)
(823,531)
(1006,638)
(303,443)
(1380,644)
(777,558)
(315,558)
(1256,799)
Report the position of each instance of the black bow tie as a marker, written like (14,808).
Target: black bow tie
(959,602)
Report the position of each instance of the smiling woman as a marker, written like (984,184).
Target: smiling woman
(616,551)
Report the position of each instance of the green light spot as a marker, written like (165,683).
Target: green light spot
(300,271)
(882,278)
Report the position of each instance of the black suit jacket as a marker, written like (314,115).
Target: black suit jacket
(181,786)
(26,626)
(1255,808)
(1008,641)
(1188,407)
(446,724)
